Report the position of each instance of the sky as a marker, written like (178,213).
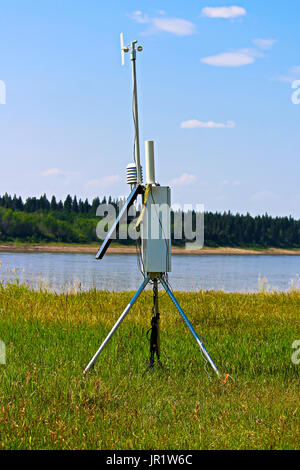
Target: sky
(215,91)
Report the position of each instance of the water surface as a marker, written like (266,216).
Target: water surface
(61,271)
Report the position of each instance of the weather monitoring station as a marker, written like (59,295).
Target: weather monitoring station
(155,227)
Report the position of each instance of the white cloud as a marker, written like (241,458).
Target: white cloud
(230,59)
(227,182)
(284,78)
(65,177)
(293,74)
(224,12)
(195,124)
(139,17)
(264,44)
(103,182)
(176,26)
(53,172)
(184,180)
(237,58)
(264,196)
(251,52)
(296,70)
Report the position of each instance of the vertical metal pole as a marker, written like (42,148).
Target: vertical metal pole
(155,330)
(200,344)
(158,321)
(116,326)
(136,114)
(149,157)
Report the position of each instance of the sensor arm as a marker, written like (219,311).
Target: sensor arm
(108,239)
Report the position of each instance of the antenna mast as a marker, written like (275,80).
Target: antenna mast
(132,48)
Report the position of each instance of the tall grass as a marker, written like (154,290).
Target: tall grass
(46,403)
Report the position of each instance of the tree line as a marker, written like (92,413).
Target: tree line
(73,220)
(42,204)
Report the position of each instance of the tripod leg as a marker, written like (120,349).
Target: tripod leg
(116,326)
(200,344)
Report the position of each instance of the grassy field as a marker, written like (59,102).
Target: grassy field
(46,403)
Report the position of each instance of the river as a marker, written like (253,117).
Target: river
(64,271)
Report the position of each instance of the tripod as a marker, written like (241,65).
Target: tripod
(154,344)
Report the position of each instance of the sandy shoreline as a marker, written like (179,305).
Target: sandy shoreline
(92,249)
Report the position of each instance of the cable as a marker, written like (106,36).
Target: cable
(140,262)
(134,122)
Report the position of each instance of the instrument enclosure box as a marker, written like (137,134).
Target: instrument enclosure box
(156,231)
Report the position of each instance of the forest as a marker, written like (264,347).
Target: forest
(39,220)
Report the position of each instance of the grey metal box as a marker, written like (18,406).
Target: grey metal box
(156,231)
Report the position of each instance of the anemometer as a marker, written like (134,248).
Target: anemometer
(155,225)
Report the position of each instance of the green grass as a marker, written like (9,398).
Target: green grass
(46,403)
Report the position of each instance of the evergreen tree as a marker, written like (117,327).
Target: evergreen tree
(86,206)
(33,222)
(80,207)
(53,203)
(68,203)
(95,205)
(60,206)
(75,205)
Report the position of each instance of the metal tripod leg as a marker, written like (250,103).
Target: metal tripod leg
(116,326)
(200,344)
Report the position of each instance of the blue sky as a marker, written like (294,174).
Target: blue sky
(215,94)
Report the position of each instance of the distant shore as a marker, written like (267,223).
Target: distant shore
(120,250)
